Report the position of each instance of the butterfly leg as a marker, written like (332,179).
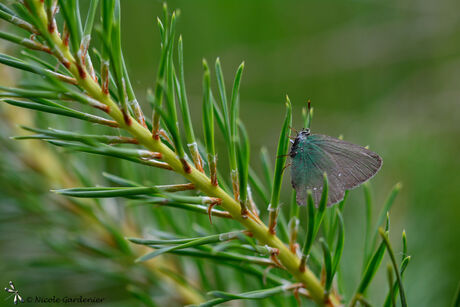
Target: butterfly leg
(287,165)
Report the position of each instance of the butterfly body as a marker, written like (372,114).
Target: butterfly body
(347,166)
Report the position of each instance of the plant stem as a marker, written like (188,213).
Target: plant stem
(258,229)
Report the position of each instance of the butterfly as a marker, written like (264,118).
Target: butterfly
(346,165)
(12,289)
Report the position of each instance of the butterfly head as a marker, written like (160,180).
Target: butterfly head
(304,132)
(298,141)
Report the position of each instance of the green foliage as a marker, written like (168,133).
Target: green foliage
(222,297)
(280,165)
(238,244)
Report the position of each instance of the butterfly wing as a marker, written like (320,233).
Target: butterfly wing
(309,163)
(347,165)
(355,163)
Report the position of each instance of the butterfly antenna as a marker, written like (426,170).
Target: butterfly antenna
(293,129)
(309,111)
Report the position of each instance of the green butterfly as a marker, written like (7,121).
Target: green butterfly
(347,166)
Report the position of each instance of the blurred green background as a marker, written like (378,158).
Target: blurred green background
(383,74)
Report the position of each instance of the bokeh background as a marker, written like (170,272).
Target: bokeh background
(381,73)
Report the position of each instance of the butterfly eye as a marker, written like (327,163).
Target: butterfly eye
(307,131)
